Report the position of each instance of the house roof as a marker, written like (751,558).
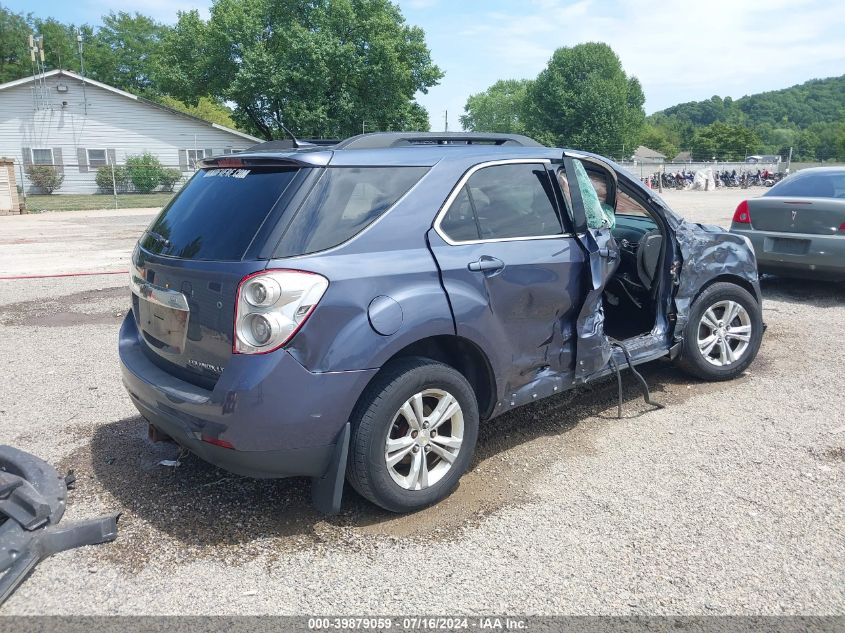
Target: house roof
(646,152)
(683,157)
(128,95)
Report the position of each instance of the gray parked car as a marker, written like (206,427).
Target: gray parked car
(798,226)
(355,312)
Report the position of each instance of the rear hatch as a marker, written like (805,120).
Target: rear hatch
(188,264)
(811,216)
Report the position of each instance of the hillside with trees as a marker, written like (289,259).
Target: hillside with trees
(809,117)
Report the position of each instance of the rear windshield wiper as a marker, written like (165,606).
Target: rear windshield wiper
(159,238)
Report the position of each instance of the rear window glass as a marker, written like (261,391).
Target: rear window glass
(217,213)
(343,202)
(810,186)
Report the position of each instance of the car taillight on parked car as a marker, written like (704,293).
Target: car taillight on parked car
(271,307)
(741,215)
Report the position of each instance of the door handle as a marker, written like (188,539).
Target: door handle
(486,264)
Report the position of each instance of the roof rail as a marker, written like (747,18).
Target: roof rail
(382,140)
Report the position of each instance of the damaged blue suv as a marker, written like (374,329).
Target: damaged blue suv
(355,312)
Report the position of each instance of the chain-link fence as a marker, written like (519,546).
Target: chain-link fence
(138,182)
(641,169)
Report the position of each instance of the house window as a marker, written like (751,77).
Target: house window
(195,155)
(42,156)
(97,158)
(228,150)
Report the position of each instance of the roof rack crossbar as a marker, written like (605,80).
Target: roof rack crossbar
(383,140)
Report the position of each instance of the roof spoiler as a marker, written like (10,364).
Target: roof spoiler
(252,158)
(280,145)
(383,140)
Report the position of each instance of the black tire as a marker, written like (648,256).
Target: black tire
(372,420)
(692,360)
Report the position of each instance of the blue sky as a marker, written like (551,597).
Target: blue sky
(681,51)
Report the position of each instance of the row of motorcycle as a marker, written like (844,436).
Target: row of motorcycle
(684,179)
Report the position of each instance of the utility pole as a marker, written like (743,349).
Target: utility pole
(789,161)
(446,121)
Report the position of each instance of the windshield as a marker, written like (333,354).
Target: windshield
(217,213)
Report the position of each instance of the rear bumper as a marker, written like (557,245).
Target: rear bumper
(305,462)
(808,255)
(282,420)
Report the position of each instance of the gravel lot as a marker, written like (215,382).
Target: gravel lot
(729,500)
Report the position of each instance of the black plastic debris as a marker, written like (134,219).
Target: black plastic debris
(32,501)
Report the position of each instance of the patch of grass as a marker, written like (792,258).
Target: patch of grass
(73,202)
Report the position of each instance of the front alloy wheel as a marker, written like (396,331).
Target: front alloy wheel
(425,439)
(724,333)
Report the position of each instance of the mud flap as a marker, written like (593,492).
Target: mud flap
(32,502)
(327,491)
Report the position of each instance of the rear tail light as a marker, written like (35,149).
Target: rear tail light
(741,215)
(271,307)
(842,228)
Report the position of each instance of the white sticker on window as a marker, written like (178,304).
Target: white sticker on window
(227,173)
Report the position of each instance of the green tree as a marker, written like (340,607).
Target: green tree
(500,108)
(59,43)
(584,99)
(14,50)
(826,137)
(321,68)
(206,108)
(658,138)
(840,145)
(806,143)
(725,141)
(121,52)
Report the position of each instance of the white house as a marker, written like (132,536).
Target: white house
(77,124)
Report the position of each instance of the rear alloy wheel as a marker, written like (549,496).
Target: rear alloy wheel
(424,439)
(413,435)
(723,334)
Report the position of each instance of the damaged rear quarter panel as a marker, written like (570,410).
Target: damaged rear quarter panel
(707,253)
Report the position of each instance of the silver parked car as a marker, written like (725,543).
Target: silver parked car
(798,226)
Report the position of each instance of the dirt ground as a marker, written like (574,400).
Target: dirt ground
(70,241)
(728,501)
